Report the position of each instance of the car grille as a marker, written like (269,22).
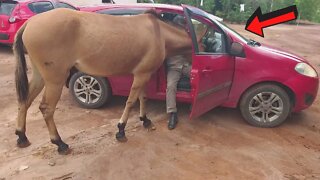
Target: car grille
(4,36)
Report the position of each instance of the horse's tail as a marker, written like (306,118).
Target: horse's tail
(21,78)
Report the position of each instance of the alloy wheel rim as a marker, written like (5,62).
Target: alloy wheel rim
(266,107)
(87,89)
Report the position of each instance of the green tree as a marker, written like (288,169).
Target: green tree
(309,9)
(230,9)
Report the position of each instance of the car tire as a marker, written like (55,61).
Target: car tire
(90,92)
(265,105)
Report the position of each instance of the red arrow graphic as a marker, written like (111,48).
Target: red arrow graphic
(257,21)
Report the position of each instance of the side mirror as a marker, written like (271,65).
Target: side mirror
(237,50)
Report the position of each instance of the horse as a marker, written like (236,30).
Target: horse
(97,44)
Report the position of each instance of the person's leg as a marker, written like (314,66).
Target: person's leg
(186,70)
(173,77)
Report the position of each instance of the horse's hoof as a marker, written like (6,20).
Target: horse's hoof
(121,137)
(22,140)
(64,149)
(23,143)
(152,127)
(147,123)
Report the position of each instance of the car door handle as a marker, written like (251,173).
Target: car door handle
(206,70)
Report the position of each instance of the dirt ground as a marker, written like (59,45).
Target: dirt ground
(218,145)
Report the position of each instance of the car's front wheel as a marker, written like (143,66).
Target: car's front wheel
(89,91)
(265,105)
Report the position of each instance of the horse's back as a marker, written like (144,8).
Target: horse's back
(64,24)
(97,44)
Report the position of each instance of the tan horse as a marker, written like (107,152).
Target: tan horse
(96,44)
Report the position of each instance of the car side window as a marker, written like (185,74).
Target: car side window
(65,5)
(7,7)
(40,7)
(175,19)
(210,39)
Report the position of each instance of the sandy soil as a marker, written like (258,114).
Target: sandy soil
(218,145)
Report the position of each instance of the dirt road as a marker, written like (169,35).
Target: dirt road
(218,145)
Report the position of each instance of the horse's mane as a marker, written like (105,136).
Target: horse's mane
(153,12)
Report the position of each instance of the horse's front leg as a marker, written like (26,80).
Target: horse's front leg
(143,117)
(138,84)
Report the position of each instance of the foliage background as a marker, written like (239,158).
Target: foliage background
(230,9)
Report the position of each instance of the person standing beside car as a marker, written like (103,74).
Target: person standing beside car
(177,66)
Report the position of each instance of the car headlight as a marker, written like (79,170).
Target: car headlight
(12,19)
(306,69)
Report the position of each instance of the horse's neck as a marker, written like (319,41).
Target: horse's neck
(177,40)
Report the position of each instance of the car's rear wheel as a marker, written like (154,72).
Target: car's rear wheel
(265,105)
(89,91)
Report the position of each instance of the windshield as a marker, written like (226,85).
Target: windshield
(217,20)
(6,8)
(233,31)
(225,27)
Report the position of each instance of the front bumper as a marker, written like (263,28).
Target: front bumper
(305,90)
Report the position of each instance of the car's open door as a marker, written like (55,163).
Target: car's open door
(212,67)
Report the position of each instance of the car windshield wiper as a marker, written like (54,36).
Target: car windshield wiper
(253,43)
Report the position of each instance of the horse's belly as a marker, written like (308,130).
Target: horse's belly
(105,67)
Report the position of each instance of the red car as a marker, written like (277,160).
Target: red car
(267,84)
(13,13)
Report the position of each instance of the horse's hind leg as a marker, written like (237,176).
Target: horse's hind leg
(35,86)
(143,117)
(138,84)
(48,105)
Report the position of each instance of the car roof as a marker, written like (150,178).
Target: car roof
(30,1)
(94,8)
(24,1)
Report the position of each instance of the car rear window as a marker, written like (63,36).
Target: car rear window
(7,7)
(65,5)
(40,7)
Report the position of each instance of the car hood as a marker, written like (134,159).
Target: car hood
(281,53)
